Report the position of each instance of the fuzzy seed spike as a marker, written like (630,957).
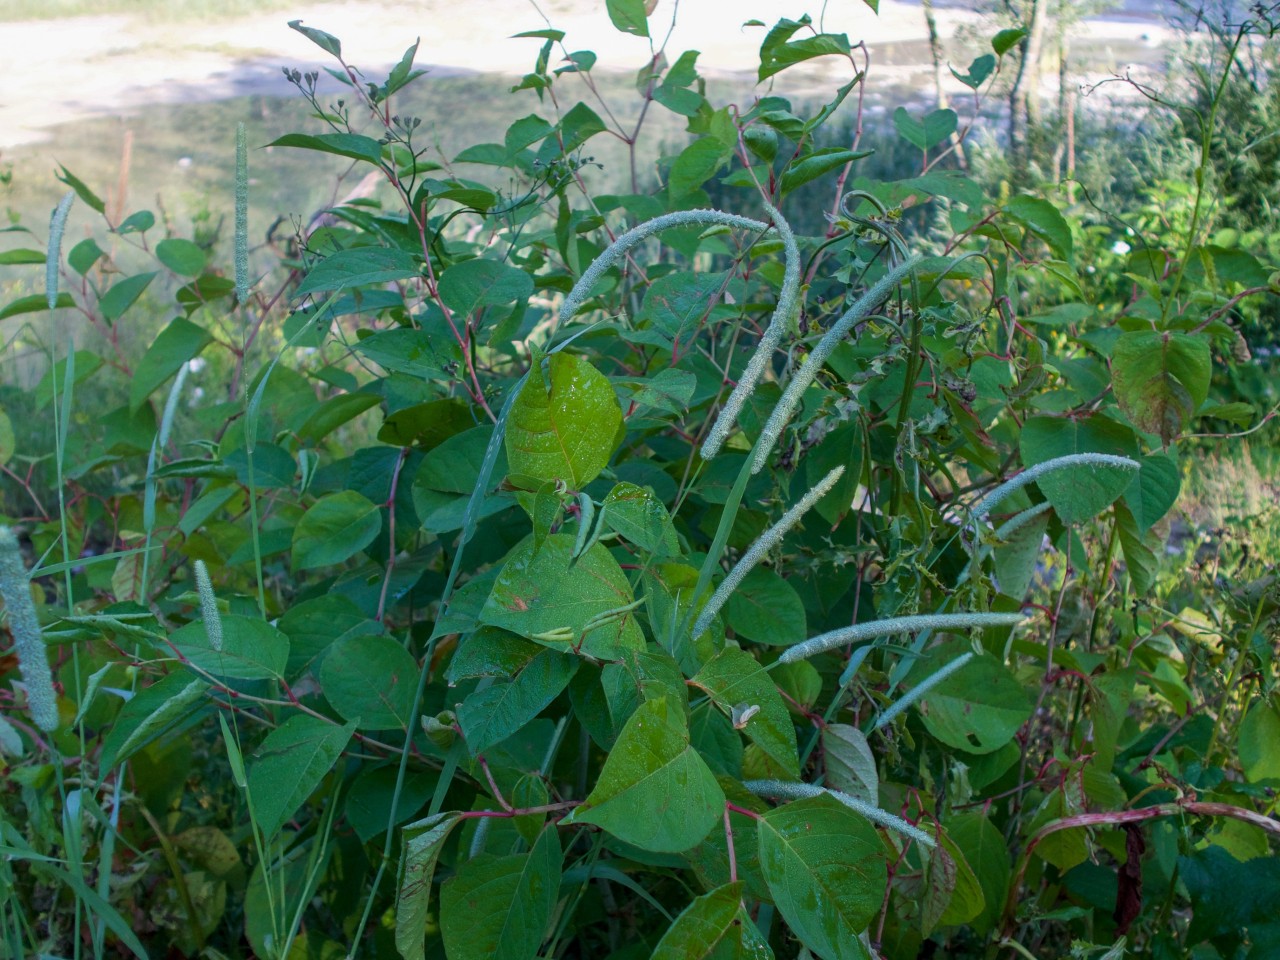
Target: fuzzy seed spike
(28,642)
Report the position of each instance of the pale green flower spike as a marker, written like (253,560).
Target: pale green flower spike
(756,552)
(883,628)
(781,790)
(208,607)
(782,315)
(988,503)
(786,407)
(57,225)
(620,247)
(33,661)
(242,217)
(921,688)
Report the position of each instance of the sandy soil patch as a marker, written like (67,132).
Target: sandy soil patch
(59,72)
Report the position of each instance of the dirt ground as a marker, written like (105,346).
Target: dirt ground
(62,71)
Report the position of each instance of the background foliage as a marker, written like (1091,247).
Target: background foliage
(409,589)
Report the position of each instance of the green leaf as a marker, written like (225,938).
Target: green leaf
(695,165)
(493,714)
(84,255)
(778,51)
(818,164)
(332,413)
(927,133)
(979,708)
(314,625)
(444,482)
(639,516)
(1259,743)
(36,303)
(655,792)
(1043,219)
(564,429)
(335,528)
(370,681)
(290,764)
(13,258)
(409,350)
(177,343)
(368,802)
(423,842)
(706,928)
(472,284)
(8,442)
(979,70)
(850,765)
(252,649)
(766,609)
(1154,490)
(1161,379)
(740,687)
(139,222)
(1016,559)
(150,714)
(629,16)
(542,592)
(1082,492)
(987,855)
(122,295)
(824,865)
(502,906)
(181,256)
(1006,40)
(82,191)
(358,267)
(952,895)
(325,41)
(677,303)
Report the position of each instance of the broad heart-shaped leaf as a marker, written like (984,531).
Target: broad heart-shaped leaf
(448,475)
(290,764)
(350,145)
(952,894)
(713,926)
(925,134)
(370,681)
(252,649)
(987,855)
(850,765)
(367,804)
(501,906)
(494,713)
(629,16)
(564,429)
(423,841)
(1161,379)
(695,165)
(766,609)
(1015,560)
(641,518)
(543,592)
(825,867)
(473,284)
(736,682)
(1259,743)
(177,343)
(358,267)
(655,792)
(407,350)
(122,294)
(978,708)
(335,528)
(152,712)
(181,256)
(1081,492)
(1043,219)
(842,447)
(677,303)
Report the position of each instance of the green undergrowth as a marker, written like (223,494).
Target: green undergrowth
(754,548)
